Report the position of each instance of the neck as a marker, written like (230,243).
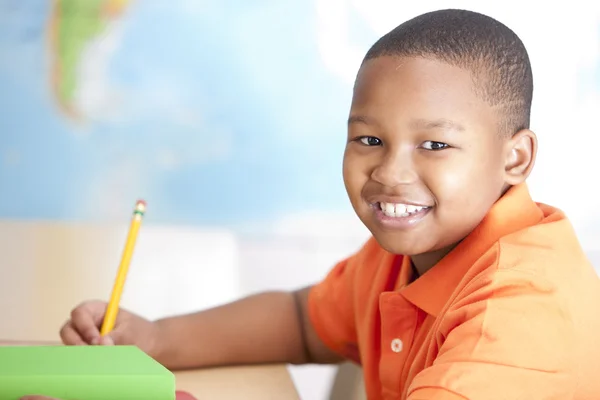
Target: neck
(424,262)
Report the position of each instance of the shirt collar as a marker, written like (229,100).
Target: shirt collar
(512,212)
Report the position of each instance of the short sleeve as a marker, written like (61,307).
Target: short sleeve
(331,306)
(510,338)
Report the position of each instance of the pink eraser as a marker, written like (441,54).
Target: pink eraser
(181,395)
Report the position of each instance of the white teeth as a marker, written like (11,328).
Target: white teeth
(387,208)
(399,210)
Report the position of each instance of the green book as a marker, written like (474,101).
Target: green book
(83,373)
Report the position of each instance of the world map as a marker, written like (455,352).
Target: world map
(221,113)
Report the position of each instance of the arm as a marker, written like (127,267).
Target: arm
(271,327)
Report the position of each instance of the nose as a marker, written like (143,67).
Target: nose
(395,169)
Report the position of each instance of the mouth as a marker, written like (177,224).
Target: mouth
(399,216)
(399,210)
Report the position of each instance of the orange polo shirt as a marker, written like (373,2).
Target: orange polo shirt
(512,313)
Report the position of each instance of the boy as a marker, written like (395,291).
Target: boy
(468,289)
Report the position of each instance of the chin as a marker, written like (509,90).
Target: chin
(396,244)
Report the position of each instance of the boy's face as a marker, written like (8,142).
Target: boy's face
(424,162)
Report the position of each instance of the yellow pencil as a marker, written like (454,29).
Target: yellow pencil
(113,305)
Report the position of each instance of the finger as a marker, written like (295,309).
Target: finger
(86,320)
(69,335)
(96,309)
(106,341)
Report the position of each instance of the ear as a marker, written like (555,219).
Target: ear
(521,150)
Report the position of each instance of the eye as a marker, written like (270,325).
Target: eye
(431,145)
(370,141)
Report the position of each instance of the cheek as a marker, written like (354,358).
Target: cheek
(347,173)
(354,176)
(466,183)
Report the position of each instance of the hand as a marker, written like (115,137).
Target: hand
(130,329)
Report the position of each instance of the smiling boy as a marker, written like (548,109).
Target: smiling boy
(468,288)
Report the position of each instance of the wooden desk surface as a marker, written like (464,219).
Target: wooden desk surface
(264,382)
(248,382)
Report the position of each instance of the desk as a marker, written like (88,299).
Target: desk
(262,382)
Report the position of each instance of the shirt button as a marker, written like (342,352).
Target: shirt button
(396,345)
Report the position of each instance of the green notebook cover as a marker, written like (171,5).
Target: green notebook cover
(83,373)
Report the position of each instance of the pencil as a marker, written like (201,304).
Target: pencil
(113,305)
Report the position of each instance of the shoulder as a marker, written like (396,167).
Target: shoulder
(540,274)
(548,251)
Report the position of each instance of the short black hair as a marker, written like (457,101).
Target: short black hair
(493,53)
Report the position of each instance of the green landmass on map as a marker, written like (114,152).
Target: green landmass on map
(77,22)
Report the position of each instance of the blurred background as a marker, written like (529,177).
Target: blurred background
(228,118)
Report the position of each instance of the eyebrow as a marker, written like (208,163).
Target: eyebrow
(442,123)
(422,124)
(359,119)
